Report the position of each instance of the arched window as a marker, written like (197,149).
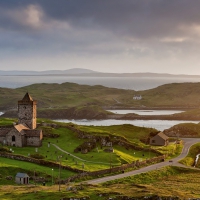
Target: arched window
(13,138)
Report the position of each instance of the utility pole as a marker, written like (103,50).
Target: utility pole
(34,177)
(59,171)
(111,150)
(52,176)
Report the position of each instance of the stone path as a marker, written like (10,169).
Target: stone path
(57,147)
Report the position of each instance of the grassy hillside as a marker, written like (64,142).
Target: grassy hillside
(130,132)
(189,160)
(67,95)
(168,183)
(97,158)
(9,167)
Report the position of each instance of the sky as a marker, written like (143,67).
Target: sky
(161,36)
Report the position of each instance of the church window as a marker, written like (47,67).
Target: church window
(13,138)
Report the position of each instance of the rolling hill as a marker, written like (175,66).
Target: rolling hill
(70,95)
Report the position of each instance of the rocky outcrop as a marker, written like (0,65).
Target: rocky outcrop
(180,131)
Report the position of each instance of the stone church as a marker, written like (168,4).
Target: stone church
(25,132)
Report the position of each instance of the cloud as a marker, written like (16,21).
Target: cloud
(145,30)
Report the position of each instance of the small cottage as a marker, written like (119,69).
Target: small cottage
(22,178)
(159,140)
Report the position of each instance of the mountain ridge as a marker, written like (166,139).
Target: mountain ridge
(90,73)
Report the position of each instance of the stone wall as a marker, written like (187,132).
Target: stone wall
(33,141)
(118,169)
(27,113)
(82,173)
(37,161)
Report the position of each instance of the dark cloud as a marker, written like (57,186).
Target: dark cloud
(130,28)
(138,18)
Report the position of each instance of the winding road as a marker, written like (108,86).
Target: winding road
(188,142)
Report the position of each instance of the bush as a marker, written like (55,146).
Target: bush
(5,149)
(37,156)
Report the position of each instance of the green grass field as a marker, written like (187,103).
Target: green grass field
(9,167)
(94,160)
(127,131)
(166,182)
(97,158)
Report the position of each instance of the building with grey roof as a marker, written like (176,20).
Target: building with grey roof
(22,178)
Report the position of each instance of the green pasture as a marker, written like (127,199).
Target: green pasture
(130,132)
(10,167)
(172,150)
(166,182)
(95,160)
(7,121)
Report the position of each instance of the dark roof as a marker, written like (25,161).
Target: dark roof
(21,175)
(162,135)
(4,131)
(32,133)
(27,97)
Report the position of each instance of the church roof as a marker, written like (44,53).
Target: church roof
(27,97)
(21,128)
(4,131)
(32,133)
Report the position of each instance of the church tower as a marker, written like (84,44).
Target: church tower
(27,111)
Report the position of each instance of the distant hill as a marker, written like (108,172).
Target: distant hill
(65,95)
(85,98)
(91,73)
(49,72)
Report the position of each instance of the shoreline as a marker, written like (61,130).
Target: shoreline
(66,114)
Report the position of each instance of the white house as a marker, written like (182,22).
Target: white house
(137,97)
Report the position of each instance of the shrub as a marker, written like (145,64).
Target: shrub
(5,149)
(37,156)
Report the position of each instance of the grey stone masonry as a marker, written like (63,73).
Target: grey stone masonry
(27,111)
(25,132)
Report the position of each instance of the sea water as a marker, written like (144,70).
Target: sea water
(157,124)
(132,83)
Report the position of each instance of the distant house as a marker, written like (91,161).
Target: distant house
(159,140)
(137,97)
(22,178)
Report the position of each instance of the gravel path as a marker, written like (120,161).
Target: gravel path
(57,147)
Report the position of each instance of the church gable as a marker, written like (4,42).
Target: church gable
(15,138)
(3,133)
